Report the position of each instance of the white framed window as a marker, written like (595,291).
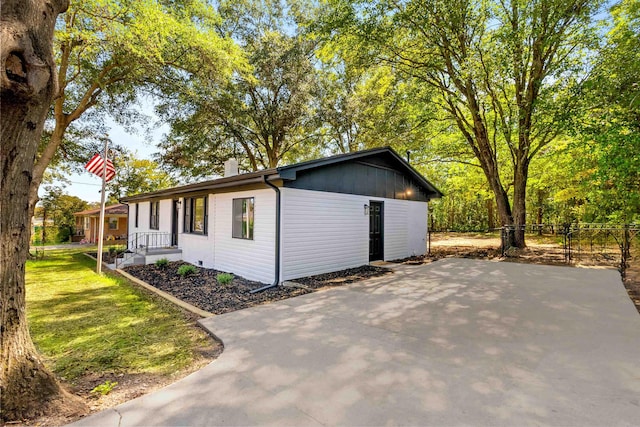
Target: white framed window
(195,215)
(113,223)
(154,216)
(242,227)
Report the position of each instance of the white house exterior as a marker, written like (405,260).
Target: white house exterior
(335,213)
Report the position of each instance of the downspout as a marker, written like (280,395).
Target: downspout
(276,282)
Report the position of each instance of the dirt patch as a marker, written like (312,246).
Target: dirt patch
(632,283)
(203,290)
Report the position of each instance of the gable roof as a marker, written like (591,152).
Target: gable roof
(119,209)
(289,173)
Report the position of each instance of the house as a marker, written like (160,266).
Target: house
(115,224)
(292,221)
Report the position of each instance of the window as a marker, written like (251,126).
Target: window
(243,218)
(195,215)
(87,222)
(154,215)
(137,215)
(113,223)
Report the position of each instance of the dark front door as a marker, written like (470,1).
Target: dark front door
(376,231)
(174,223)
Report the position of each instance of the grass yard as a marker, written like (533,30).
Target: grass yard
(95,330)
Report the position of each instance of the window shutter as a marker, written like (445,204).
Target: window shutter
(206,215)
(237,218)
(186,224)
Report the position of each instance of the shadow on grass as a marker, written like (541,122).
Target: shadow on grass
(87,323)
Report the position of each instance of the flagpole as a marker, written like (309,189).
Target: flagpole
(102,202)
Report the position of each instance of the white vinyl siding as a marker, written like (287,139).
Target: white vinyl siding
(417,228)
(395,229)
(253,259)
(322,232)
(164,225)
(195,247)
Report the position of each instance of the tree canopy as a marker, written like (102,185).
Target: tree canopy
(109,52)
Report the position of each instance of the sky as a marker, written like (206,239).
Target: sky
(86,185)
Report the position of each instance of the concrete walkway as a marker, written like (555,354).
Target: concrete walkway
(450,343)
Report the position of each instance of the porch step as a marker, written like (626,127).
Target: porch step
(163,251)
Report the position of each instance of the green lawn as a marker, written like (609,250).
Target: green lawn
(84,323)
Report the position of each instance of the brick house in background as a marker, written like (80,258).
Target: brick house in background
(115,224)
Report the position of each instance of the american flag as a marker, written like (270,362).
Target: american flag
(96,165)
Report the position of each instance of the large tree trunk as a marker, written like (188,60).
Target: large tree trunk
(490,215)
(520,177)
(27,85)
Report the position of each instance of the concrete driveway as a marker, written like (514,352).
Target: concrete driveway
(450,343)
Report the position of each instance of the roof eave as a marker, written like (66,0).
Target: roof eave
(228,182)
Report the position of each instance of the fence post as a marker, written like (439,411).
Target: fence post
(567,243)
(626,251)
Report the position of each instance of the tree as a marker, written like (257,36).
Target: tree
(607,132)
(134,176)
(60,207)
(265,114)
(503,71)
(262,115)
(366,107)
(27,86)
(108,51)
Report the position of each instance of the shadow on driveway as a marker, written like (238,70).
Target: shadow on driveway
(454,342)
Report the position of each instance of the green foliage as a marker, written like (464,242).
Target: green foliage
(265,115)
(58,207)
(224,278)
(84,323)
(187,270)
(105,388)
(162,263)
(503,74)
(108,52)
(607,134)
(137,176)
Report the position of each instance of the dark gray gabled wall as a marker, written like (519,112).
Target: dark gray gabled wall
(369,177)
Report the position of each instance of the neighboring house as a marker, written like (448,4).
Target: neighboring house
(292,221)
(88,221)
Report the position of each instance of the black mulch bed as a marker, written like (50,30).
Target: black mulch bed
(203,290)
(343,277)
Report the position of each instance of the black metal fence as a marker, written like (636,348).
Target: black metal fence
(614,245)
(587,243)
(603,244)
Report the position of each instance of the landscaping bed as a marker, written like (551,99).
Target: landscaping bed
(343,277)
(203,290)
